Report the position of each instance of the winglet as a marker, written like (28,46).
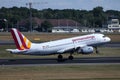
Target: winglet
(20,40)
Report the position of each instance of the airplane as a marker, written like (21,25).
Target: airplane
(81,44)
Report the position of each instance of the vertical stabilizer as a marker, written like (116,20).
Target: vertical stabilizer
(20,40)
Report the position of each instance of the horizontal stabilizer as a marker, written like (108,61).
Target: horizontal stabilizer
(16,51)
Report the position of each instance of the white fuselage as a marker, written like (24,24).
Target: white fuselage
(60,46)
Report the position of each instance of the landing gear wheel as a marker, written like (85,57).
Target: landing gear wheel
(60,58)
(70,57)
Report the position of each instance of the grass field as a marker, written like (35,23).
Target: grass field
(73,72)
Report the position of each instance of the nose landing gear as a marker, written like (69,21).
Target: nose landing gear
(96,50)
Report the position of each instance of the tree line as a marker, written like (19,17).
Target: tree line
(89,18)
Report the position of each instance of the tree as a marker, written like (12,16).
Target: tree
(46,26)
(93,18)
(99,16)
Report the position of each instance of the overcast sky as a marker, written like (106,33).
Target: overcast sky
(63,4)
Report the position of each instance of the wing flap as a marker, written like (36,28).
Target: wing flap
(66,49)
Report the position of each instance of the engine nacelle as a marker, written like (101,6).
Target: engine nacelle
(86,50)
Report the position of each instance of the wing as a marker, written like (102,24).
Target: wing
(70,48)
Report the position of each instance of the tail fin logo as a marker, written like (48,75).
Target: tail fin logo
(20,40)
(27,42)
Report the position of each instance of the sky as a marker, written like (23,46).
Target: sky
(63,4)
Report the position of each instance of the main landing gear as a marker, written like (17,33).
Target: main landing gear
(70,57)
(60,57)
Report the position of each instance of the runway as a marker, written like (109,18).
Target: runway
(53,61)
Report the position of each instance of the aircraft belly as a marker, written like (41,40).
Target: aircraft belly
(49,51)
(41,52)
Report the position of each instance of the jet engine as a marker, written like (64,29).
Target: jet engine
(86,50)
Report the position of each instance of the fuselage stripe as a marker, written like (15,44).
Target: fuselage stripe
(84,38)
